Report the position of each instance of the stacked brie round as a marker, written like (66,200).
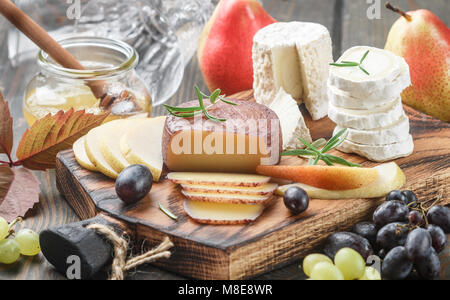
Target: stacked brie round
(368,102)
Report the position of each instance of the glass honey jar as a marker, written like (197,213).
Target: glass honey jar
(108,62)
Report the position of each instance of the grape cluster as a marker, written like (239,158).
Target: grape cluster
(13,244)
(410,236)
(348,265)
(404,233)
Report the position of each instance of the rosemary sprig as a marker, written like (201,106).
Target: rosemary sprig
(189,112)
(347,64)
(316,155)
(167,212)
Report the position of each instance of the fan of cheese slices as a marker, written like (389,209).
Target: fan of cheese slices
(369,104)
(224,198)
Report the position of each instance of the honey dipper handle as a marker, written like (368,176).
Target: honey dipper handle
(44,41)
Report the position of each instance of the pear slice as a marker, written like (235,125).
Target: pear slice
(390,177)
(263,190)
(110,142)
(218,179)
(80,154)
(227,198)
(142,144)
(222,213)
(92,145)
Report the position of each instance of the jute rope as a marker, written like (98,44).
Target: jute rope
(120,264)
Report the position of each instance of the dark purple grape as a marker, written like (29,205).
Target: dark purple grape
(418,244)
(440,216)
(416,218)
(382,253)
(366,230)
(389,212)
(339,240)
(296,200)
(396,195)
(411,198)
(429,267)
(392,235)
(134,183)
(438,238)
(396,265)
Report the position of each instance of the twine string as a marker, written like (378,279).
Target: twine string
(120,264)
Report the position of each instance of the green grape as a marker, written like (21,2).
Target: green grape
(371,274)
(351,263)
(311,260)
(9,251)
(28,241)
(326,271)
(4,229)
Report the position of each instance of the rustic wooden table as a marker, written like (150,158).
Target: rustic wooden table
(349,26)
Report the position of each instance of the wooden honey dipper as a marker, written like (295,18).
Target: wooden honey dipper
(45,42)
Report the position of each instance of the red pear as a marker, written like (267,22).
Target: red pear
(225,47)
(424,41)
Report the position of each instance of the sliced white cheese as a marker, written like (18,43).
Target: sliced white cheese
(292,123)
(294,56)
(382,116)
(384,67)
(263,190)
(380,153)
(227,198)
(396,133)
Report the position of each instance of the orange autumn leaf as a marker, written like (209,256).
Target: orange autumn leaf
(6,124)
(41,143)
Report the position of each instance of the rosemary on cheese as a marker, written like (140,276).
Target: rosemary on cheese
(189,112)
(353,64)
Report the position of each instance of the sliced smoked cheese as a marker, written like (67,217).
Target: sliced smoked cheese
(263,190)
(384,69)
(222,213)
(396,133)
(380,153)
(379,117)
(218,179)
(296,57)
(251,135)
(291,119)
(227,198)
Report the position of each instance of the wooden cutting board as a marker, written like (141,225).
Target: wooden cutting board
(276,238)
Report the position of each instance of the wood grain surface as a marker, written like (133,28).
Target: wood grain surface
(349,26)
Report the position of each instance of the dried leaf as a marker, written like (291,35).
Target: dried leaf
(41,143)
(6,178)
(23,194)
(6,125)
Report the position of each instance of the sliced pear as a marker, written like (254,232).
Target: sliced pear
(265,189)
(390,177)
(80,154)
(221,179)
(227,198)
(222,213)
(92,145)
(110,142)
(142,144)
(337,178)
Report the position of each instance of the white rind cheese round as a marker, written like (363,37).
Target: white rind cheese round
(296,57)
(380,153)
(382,116)
(389,74)
(396,133)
